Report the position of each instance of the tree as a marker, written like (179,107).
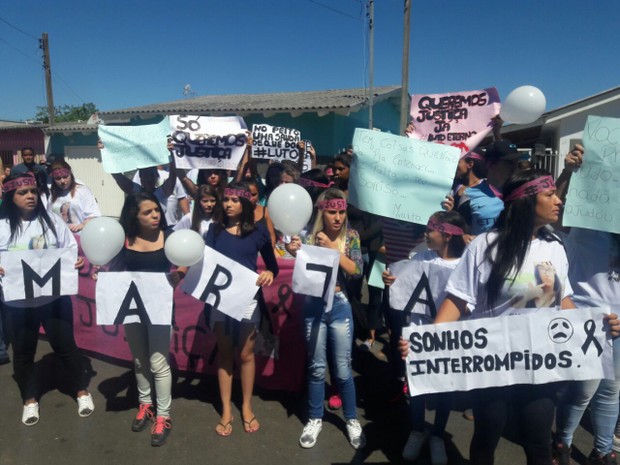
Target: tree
(63,113)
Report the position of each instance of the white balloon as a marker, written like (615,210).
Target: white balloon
(290,208)
(101,239)
(523,105)
(184,247)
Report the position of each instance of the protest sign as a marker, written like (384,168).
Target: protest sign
(223,283)
(275,143)
(127,148)
(316,272)
(459,119)
(138,297)
(593,200)
(307,157)
(398,177)
(37,273)
(419,286)
(375,279)
(208,141)
(531,348)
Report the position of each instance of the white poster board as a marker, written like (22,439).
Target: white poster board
(316,272)
(275,143)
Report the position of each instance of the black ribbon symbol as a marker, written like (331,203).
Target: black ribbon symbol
(589,327)
(284,293)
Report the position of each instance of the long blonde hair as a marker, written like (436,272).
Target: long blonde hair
(318,225)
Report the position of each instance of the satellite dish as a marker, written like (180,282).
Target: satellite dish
(187,89)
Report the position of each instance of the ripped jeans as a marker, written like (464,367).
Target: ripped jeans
(335,328)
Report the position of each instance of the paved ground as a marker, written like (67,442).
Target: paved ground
(61,437)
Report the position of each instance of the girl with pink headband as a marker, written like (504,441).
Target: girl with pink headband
(74,202)
(25,224)
(496,273)
(444,238)
(331,229)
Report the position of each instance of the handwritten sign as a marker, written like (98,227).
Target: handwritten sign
(208,141)
(460,119)
(399,177)
(533,348)
(138,297)
(128,148)
(593,200)
(223,283)
(275,143)
(316,272)
(37,273)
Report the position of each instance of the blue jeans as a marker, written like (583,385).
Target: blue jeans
(336,328)
(602,395)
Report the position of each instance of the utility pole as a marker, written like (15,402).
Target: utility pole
(44,45)
(371,64)
(404,96)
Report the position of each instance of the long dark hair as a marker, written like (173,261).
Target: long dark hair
(515,227)
(57,191)
(10,211)
(129,213)
(456,245)
(246,220)
(204,190)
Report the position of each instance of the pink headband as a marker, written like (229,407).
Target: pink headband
(473,156)
(28,181)
(446,228)
(544,183)
(333,204)
(238,192)
(61,173)
(309,183)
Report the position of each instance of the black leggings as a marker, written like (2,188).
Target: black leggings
(57,320)
(533,407)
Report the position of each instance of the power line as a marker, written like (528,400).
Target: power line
(20,30)
(357,18)
(20,52)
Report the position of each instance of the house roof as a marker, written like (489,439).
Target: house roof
(12,125)
(341,101)
(71,126)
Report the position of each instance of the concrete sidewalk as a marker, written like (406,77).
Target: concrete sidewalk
(61,437)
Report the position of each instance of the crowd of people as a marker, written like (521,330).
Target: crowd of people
(500,226)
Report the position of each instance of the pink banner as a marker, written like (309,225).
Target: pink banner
(280,350)
(459,119)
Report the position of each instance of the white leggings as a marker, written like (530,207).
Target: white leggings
(150,346)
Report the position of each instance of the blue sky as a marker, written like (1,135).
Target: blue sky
(119,54)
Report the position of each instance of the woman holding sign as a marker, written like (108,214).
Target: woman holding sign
(444,238)
(23,223)
(144,225)
(497,272)
(335,327)
(241,239)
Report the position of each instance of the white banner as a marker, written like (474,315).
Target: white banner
(532,348)
(275,143)
(225,284)
(419,286)
(208,141)
(37,273)
(316,272)
(134,297)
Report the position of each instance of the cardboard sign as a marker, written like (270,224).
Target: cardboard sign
(275,143)
(459,119)
(593,200)
(136,297)
(129,148)
(223,283)
(316,272)
(532,348)
(36,273)
(399,177)
(208,141)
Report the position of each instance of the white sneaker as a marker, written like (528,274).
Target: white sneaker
(30,415)
(438,451)
(86,407)
(616,444)
(414,445)
(310,433)
(356,434)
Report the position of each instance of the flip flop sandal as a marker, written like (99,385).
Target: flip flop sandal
(226,428)
(247,425)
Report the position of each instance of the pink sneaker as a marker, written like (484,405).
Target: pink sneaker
(334,403)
